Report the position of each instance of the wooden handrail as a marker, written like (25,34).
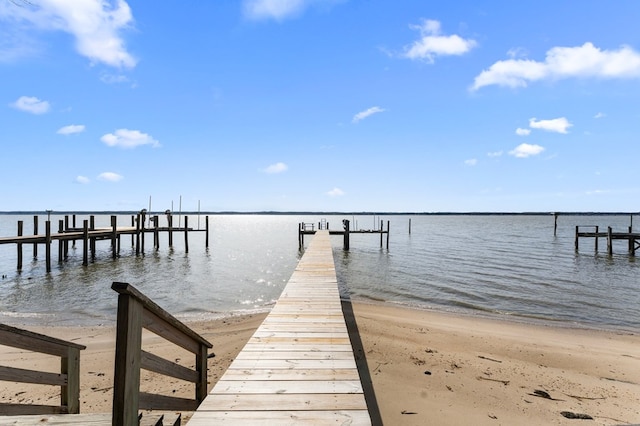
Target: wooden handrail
(68,379)
(135,312)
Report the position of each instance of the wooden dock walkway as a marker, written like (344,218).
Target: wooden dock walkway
(299,366)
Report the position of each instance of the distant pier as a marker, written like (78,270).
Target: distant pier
(632,238)
(89,234)
(323,225)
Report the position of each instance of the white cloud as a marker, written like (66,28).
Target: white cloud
(558,125)
(600,115)
(82,180)
(335,192)
(523,132)
(96,25)
(110,177)
(71,129)
(276,9)
(471,162)
(125,138)
(563,62)
(432,43)
(364,114)
(31,104)
(526,150)
(113,78)
(276,168)
(495,154)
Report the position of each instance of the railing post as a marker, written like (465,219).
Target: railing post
(609,241)
(126,382)
(201,368)
(70,394)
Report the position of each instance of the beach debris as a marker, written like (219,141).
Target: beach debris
(417,361)
(408,412)
(543,394)
(428,373)
(504,382)
(491,416)
(489,359)
(580,398)
(431,351)
(579,416)
(449,388)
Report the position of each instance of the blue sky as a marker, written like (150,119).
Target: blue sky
(330,105)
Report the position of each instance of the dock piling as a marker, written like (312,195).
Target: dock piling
(19,246)
(35,232)
(47,244)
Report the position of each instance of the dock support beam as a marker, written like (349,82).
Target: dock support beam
(19,246)
(47,245)
(345,223)
(35,232)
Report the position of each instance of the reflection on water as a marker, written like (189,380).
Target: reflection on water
(508,265)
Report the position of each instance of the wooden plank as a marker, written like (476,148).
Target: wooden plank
(305,364)
(100,419)
(149,401)
(262,402)
(20,375)
(151,362)
(281,418)
(297,355)
(288,387)
(8,409)
(271,374)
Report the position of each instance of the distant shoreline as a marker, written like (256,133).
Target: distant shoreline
(318,213)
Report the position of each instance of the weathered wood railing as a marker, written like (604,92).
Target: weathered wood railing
(68,379)
(135,312)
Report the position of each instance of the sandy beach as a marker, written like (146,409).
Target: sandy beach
(426,368)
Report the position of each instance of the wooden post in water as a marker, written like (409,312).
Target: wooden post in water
(60,242)
(206,238)
(66,242)
(609,241)
(300,236)
(137,234)
(576,240)
(133,224)
(73,224)
(156,236)
(92,227)
(345,222)
(381,231)
(35,232)
(47,244)
(596,244)
(85,242)
(186,234)
(410,226)
(170,223)
(114,237)
(631,242)
(388,226)
(19,246)
(555,224)
(143,218)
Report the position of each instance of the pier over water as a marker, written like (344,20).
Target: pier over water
(299,366)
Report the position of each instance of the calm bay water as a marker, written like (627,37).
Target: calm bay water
(503,265)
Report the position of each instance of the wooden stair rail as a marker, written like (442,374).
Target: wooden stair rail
(135,312)
(68,379)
